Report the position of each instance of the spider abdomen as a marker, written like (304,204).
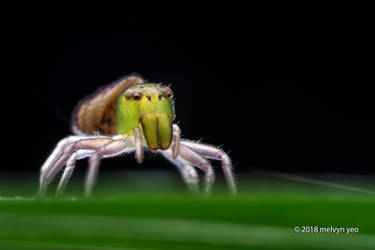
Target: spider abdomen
(97,113)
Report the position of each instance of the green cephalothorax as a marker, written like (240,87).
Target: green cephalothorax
(150,107)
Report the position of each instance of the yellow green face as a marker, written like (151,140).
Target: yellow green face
(149,107)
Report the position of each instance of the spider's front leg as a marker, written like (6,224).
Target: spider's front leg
(176,140)
(187,171)
(189,157)
(184,158)
(138,144)
(216,154)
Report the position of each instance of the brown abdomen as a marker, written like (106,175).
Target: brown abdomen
(97,113)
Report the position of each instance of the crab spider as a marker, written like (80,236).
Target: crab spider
(130,116)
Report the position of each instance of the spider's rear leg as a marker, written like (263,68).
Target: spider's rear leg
(67,173)
(196,160)
(216,154)
(70,165)
(62,153)
(187,171)
(55,156)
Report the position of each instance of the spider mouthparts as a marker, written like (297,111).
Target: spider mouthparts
(157,130)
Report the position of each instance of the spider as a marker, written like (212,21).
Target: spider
(126,116)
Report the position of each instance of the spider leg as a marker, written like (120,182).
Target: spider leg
(55,156)
(217,154)
(67,173)
(196,160)
(70,165)
(63,152)
(187,171)
(176,140)
(138,144)
(108,150)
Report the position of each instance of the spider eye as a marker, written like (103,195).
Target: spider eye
(160,96)
(168,93)
(137,96)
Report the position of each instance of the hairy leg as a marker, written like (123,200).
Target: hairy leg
(217,154)
(56,156)
(138,144)
(110,149)
(196,160)
(176,141)
(67,173)
(187,171)
(63,153)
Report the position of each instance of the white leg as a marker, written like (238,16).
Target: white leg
(64,151)
(176,141)
(67,173)
(217,154)
(138,145)
(70,165)
(65,148)
(61,155)
(196,160)
(188,173)
(92,172)
(55,156)
(107,150)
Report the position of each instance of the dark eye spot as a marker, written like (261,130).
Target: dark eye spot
(137,96)
(127,96)
(168,92)
(160,96)
(148,97)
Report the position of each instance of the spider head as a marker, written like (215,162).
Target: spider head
(150,107)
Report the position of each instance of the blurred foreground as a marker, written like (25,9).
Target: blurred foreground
(154,211)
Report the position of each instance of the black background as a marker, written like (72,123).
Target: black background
(276,100)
